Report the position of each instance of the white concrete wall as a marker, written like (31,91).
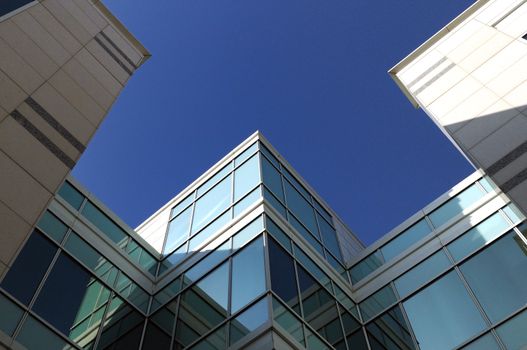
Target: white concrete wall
(473,84)
(62,65)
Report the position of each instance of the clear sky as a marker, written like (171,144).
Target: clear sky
(310,74)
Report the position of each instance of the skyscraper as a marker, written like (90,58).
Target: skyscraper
(249,256)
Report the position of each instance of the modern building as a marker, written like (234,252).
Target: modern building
(248,256)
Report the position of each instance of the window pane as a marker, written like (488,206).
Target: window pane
(122,327)
(215,287)
(246,154)
(366,266)
(312,267)
(247,201)
(248,275)
(357,341)
(377,302)
(246,177)
(422,273)
(211,204)
(478,236)
(487,342)
(295,183)
(215,341)
(51,225)
(512,333)
(287,320)
(249,320)
(178,230)
(306,234)
(514,213)
(33,334)
(182,205)
(391,330)
(213,180)
(329,237)
(272,178)
(275,203)
(406,239)
(443,315)
(301,208)
(210,230)
(456,205)
(247,233)
(269,156)
(278,234)
(283,281)
(71,195)
(10,315)
(205,265)
(156,338)
(497,276)
(105,224)
(29,267)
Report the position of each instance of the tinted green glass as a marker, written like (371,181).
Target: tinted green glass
(213,180)
(502,264)
(480,235)
(300,207)
(443,315)
(249,320)
(357,341)
(246,177)
(377,302)
(272,179)
(178,230)
(314,342)
(109,228)
(215,341)
(289,322)
(456,205)
(366,266)
(34,334)
(212,204)
(248,274)
(487,342)
(10,315)
(71,195)
(51,225)
(132,292)
(29,267)
(406,239)
(122,327)
(422,273)
(155,338)
(247,201)
(512,333)
(390,331)
(247,233)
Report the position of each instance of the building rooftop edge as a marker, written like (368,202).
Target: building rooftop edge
(429,43)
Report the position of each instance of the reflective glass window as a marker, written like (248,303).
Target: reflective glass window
(345,300)
(283,281)
(247,233)
(33,334)
(357,341)
(312,267)
(10,315)
(178,230)
(215,288)
(288,321)
(122,327)
(478,236)
(246,177)
(329,237)
(91,258)
(275,203)
(314,342)
(295,183)
(497,276)
(377,302)
(213,180)
(71,195)
(249,320)
(182,205)
(173,259)
(278,234)
(66,285)
(406,239)
(217,340)
(247,201)
(246,154)
(105,224)
(300,207)
(487,184)
(51,225)
(443,315)
(390,331)
(212,204)
(210,230)
(269,156)
(272,178)
(248,274)
(29,267)
(132,292)
(514,213)
(512,333)
(422,273)
(366,266)
(205,265)
(456,205)
(349,323)
(306,234)
(155,338)
(487,342)
(163,296)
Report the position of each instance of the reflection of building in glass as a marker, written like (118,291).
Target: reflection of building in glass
(249,256)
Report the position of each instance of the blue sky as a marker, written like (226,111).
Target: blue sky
(310,74)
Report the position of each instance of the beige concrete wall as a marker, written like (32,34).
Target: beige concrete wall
(473,83)
(62,65)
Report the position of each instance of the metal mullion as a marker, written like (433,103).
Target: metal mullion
(498,339)
(344,335)
(267,260)
(472,296)
(409,325)
(176,315)
(366,338)
(143,333)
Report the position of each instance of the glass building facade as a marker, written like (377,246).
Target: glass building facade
(249,256)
